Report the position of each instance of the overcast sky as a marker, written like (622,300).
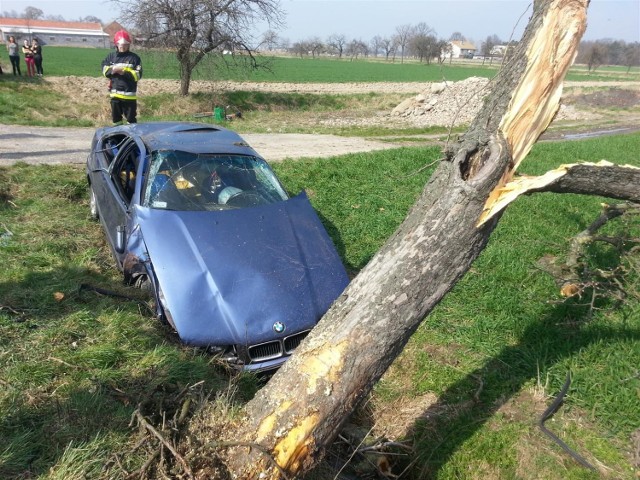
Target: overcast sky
(364,19)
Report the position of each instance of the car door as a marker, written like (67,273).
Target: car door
(120,185)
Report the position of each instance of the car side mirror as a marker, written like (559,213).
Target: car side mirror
(120,239)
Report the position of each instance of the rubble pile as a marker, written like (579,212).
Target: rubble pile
(445,104)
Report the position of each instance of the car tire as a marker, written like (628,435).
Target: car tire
(144,283)
(93,205)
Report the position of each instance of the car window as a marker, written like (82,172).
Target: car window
(111,146)
(188,181)
(125,167)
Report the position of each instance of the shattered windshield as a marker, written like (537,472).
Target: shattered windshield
(189,181)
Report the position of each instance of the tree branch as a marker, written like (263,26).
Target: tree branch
(621,182)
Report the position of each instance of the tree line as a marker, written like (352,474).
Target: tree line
(594,54)
(420,42)
(33,13)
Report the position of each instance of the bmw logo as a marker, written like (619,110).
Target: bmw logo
(278,327)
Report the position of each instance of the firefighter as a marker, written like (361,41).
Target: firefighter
(123,69)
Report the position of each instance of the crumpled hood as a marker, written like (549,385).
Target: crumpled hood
(228,276)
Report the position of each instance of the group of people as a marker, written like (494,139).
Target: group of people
(32,56)
(122,67)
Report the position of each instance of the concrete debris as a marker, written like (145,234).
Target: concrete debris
(445,103)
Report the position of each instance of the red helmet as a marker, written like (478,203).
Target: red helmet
(122,38)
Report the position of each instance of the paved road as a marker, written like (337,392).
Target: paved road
(53,145)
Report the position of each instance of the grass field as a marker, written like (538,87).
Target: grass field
(466,392)
(60,61)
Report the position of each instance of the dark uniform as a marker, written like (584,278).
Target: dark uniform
(123,86)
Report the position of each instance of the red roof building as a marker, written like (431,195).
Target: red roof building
(50,32)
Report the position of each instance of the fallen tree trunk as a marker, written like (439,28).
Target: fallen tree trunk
(303,407)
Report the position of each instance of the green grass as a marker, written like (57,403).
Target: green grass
(493,352)
(63,61)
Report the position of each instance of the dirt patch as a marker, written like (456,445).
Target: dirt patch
(621,98)
(442,104)
(426,104)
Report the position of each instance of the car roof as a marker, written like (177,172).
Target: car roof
(186,136)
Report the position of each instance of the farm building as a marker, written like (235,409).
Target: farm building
(462,49)
(49,32)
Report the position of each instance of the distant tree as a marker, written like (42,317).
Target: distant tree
(488,46)
(301,48)
(457,37)
(632,55)
(421,42)
(316,46)
(91,19)
(32,13)
(195,29)
(283,43)
(270,40)
(356,48)
(615,51)
(55,18)
(596,56)
(376,45)
(422,29)
(388,47)
(401,38)
(336,43)
(425,47)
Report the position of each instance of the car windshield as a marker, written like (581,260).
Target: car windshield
(189,181)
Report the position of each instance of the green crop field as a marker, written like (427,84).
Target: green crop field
(86,62)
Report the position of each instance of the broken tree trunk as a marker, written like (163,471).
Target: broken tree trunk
(303,407)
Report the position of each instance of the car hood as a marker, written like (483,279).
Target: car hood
(228,276)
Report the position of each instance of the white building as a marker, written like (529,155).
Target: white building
(461,49)
(48,32)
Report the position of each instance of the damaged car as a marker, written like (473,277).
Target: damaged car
(195,215)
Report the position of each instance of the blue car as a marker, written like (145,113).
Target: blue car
(195,215)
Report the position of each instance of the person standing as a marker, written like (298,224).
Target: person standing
(36,49)
(28,58)
(14,55)
(124,69)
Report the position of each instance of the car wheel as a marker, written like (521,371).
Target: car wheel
(144,283)
(93,206)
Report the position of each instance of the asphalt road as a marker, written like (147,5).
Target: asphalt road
(53,145)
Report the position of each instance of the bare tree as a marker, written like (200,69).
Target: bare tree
(355,48)
(194,29)
(487,47)
(90,19)
(596,56)
(270,40)
(376,45)
(316,46)
(457,37)
(32,13)
(388,47)
(401,38)
(336,43)
(632,55)
(301,48)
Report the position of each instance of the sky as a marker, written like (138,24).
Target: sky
(364,19)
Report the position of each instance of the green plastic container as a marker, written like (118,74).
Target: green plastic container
(218,113)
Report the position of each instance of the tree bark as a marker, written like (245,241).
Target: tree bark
(303,407)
